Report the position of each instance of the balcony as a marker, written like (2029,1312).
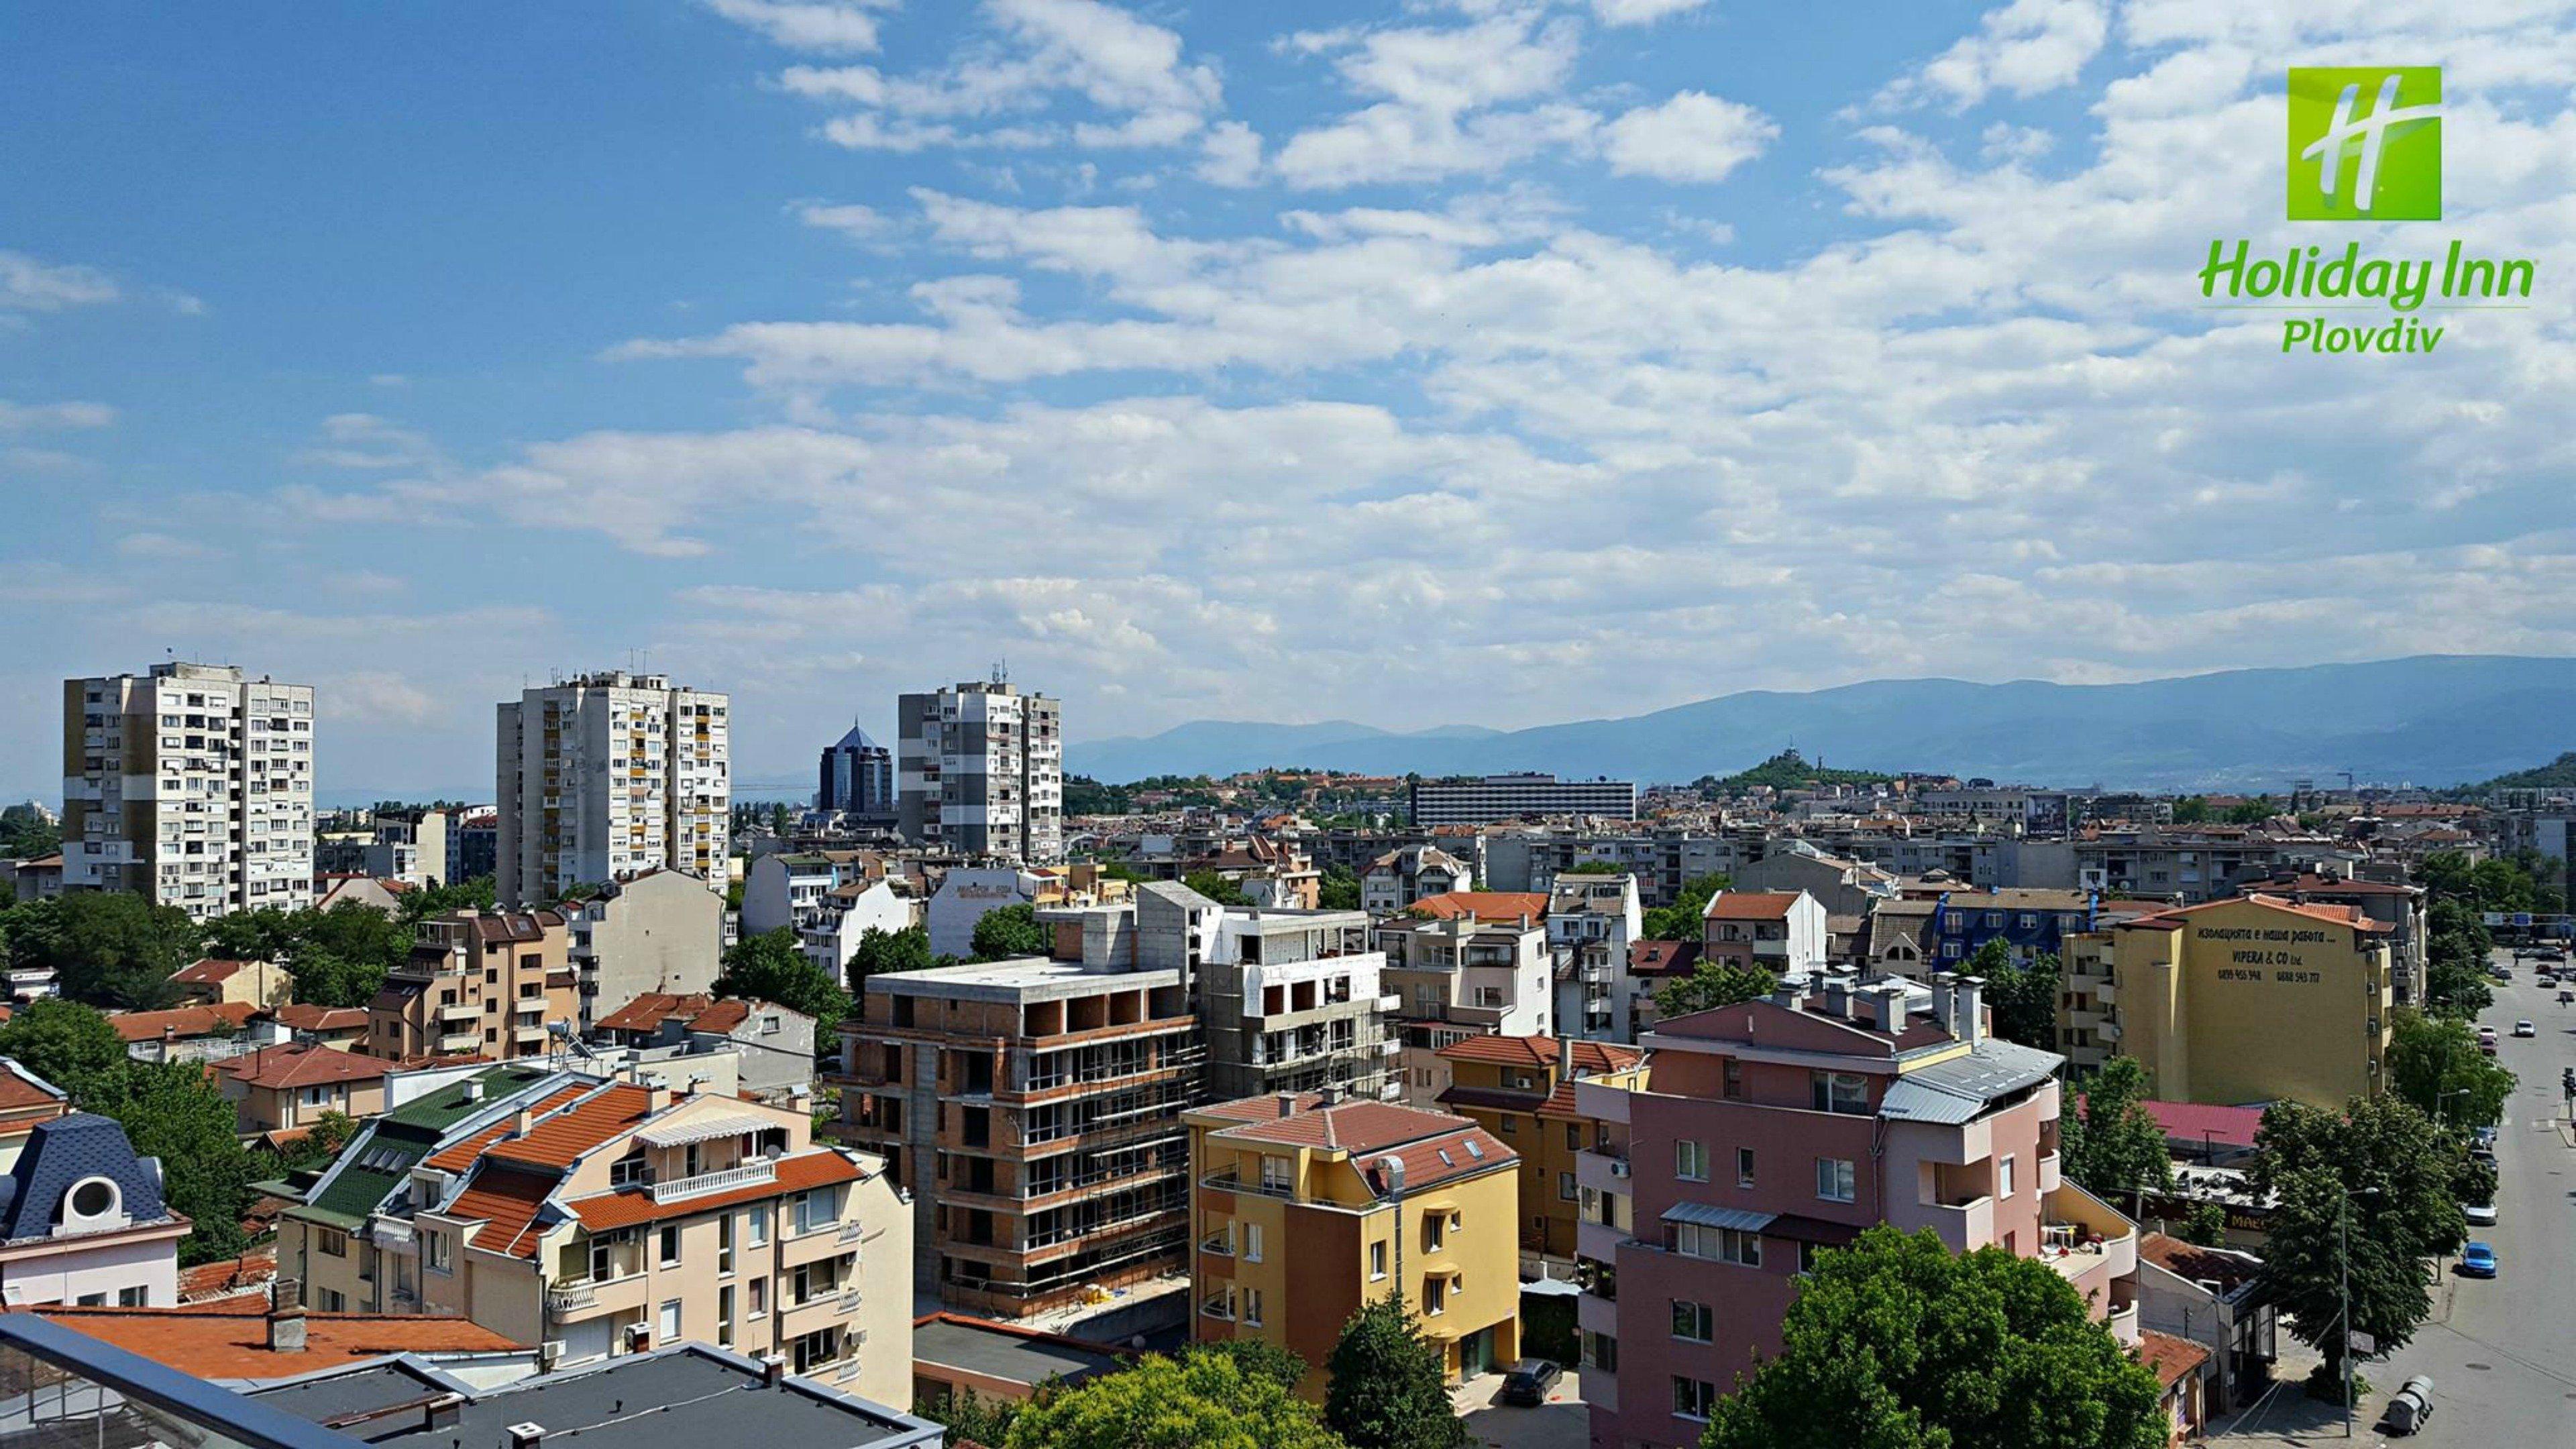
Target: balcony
(460,1011)
(749,1174)
(1965,1224)
(1598,1242)
(2048,1174)
(1596,1314)
(459,1041)
(1602,1171)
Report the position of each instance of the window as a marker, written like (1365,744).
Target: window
(1693,1321)
(1377,1261)
(94,1198)
(1718,1245)
(1744,1167)
(603,1260)
(331,1241)
(1435,1232)
(133,1297)
(757,1296)
(1565,1186)
(1807,1253)
(1274,1174)
(724,1316)
(1734,1077)
(670,1245)
(1690,1161)
(1252,1306)
(1846,1092)
(667,1328)
(1252,1242)
(1435,1297)
(1834,1179)
(760,1226)
(1573,1137)
(330,1300)
(2004,1178)
(90,1300)
(1509,1124)
(1601,1351)
(436,1253)
(818,1208)
(724,1243)
(1693,1398)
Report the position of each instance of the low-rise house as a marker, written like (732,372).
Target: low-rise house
(1306,1206)
(2177,1364)
(1847,887)
(280,1093)
(192,1033)
(2212,1297)
(1782,932)
(82,1220)
(1405,875)
(213,981)
(376,893)
(1460,977)
(966,894)
(37,878)
(491,983)
(831,935)
(1652,966)
(25,1100)
(776,1044)
(342,1028)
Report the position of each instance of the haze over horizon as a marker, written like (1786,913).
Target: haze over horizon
(1492,362)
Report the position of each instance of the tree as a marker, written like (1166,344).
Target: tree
(2109,1144)
(2205,1225)
(2023,994)
(314,1150)
(1260,1358)
(1593,867)
(881,952)
(170,1111)
(2252,812)
(2434,1062)
(1200,1399)
(26,834)
(64,1042)
(1711,984)
(1386,1389)
(1009,933)
(475,893)
(1894,1343)
(1216,888)
(2191,810)
(1680,919)
(2386,1165)
(770,968)
(1339,889)
(968,1416)
(108,948)
(2455,975)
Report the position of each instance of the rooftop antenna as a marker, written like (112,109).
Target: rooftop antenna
(1001,671)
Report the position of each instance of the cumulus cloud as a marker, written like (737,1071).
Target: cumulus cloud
(824,28)
(18,417)
(1640,12)
(1692,137)
(29,285)
(2022,48)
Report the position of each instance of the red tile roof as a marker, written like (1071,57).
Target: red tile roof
(556,1140)
(19,1090)
(795,1174)
(1541,1051)
(2333,915)
(210,971)
(2170,1357)
(1432,1145)
(227,1277)
(506,1199)
(2229,1271)
(304,1016)
(1435,1160)
(187,1021)
(1663,958)
(647,1011)
(1484,905)
(302,1066)
(1749,905)
(459,1155)
(2201,1122)
(229,1338)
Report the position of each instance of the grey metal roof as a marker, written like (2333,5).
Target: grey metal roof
(997,1354)
(1958,1089)
(1718,1217)
(60,1154)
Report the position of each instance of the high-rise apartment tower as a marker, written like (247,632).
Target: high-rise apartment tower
(979,770)
(607,776)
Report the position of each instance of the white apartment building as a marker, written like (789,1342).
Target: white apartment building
(192,785)
(607,776)
(979,770)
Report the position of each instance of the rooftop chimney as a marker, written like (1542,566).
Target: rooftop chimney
(473,1090)
(1790,992)
(1565,1058)
(1287,1104)
(657,1095)
(1837,996)
(1328,1095)
(1886,1005)
(443,1411)
(1945,1000)
(1971,1009)
(286,1329)
(772,1370)
(526,1436)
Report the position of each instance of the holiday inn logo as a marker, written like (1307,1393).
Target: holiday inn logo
(2365,143)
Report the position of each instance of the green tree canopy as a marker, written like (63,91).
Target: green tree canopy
(1198,1401)
(1216,888)
(2434,1063)
(1679,920)
(1260,1358)
(64,1042)
(25,834)
(1339,890)
(170,1111)
(769,967)
(1712,983)
(2384,1162)
(108,948)
(1386,1388)
(2107,1143)
(881,952)
(1008,933)
(1894,1343)
(2022,994)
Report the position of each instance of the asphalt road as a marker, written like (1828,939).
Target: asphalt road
(2502,1353)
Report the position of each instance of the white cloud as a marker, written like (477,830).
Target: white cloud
(1231,155)
(1640,12)
(18,417)
(29,285)
(1692,137)
(365,441)
(1466,99)
(2023,48)
(859,222)
(826,28)
(160,546)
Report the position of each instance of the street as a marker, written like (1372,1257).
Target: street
(2501,1353)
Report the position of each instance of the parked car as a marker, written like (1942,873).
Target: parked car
(1529,1382)
(2525,1028)
(2477,1260)
(2484,1137)
(2487,1034)
(2480,1215)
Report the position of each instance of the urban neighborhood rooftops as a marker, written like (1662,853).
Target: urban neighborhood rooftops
(229,1337)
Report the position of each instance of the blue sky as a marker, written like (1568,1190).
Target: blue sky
(1496,361)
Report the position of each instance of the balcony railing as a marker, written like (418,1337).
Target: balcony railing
(722,1180)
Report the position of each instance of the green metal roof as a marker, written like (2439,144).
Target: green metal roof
(446,1107)
(378,1159)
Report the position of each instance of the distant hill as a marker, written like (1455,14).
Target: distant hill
(2434,720)
(2558,774)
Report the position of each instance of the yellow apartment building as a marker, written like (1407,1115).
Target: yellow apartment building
(1521,1089)
(2254,999)
(1357,1199)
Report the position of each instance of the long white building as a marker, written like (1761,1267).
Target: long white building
(192,785)
(979,770)
(607,776)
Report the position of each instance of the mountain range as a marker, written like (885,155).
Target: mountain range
(2434,720)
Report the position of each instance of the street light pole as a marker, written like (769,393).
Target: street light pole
(2343,1319)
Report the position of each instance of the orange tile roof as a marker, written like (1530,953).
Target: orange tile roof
(1484,905)
(305,1016)
(2170,1357)
(227,1277)
(19,1091)
(647,1011)
(1749,905)
(2334,915)
(1541,1051)
(459,1155)
(229,1338)
(302,1066)
(1350,1126)
(208,972)
(1435,1160)
(506,1199)
(795,1174)
(555,1141)
(187,1021)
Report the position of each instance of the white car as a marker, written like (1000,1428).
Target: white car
(2480,1215)
(2525,1028)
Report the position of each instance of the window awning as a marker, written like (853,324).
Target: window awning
(1718,1217)
(703,1129)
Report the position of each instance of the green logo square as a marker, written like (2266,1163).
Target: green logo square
(2365,143)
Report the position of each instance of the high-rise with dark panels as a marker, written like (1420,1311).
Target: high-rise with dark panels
(857,778)
(979,770)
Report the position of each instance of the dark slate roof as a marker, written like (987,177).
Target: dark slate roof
(857,739)
(1013,1355)
(63,1152)
(1958,1089)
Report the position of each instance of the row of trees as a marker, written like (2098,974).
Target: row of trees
(2458,894)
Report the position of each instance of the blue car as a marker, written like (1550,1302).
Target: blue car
(2477,1260)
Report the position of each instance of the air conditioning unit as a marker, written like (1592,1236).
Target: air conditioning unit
(550,1352)
(1618,1168)
(639,1337)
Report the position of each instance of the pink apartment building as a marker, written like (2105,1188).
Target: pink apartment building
(1765,1132)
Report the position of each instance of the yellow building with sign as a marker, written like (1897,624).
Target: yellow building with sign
(2253,1000)
(1304,1207)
